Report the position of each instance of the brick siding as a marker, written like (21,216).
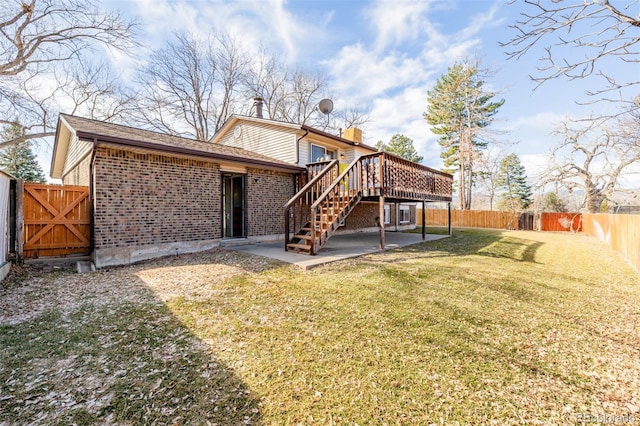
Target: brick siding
(364,216)
(150,199)
(267,193)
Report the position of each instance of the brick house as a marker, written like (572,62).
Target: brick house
(154,194)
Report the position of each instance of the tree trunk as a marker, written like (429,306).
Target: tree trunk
(461,190)
(593,200)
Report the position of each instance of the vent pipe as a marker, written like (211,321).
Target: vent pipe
(257,102)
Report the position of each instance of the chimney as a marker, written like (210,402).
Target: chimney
(353,134)
(257,102)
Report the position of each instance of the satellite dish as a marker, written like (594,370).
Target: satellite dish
(326,106)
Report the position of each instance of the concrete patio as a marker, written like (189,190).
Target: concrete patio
(339,247)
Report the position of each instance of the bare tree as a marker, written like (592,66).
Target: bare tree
(289,95)
(593,158)
(487,175)
(345,117)
(40,42)
(578,37)
(83,88)
(190,87)
(39,33)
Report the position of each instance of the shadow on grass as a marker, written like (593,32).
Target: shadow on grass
(130,361)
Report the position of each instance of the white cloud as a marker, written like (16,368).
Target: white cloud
(391,76)
(255,23)
(535,164)
(402,114)
(363,74)
(397,22)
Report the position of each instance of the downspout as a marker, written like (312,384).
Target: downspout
(298,146)
(92,198)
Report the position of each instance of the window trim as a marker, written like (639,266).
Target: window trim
(387,214)
(330,152)
(402,210)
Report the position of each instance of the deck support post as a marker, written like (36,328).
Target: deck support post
(286,228)
(424,225)
(381,222)
(449,218)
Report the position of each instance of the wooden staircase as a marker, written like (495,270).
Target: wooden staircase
(327,219)
(321,206)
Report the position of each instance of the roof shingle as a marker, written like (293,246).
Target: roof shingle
(125,135)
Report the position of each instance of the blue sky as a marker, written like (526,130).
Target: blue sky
(383,56)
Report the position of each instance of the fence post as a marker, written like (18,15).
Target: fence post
(19,220)
(381,220)
(449,218)
(424,227)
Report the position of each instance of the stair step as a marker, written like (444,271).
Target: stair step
(302,247)
(302,237)
(318,231)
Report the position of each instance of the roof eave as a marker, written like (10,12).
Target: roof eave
(185,151)
(57,168)
(336,138)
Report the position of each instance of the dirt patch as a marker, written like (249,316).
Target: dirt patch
(29,291)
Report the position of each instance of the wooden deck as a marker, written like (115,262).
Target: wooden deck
(316,211)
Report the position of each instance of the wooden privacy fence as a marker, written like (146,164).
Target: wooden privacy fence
(620,231)
(56,220)
(560,222)
(505,220)
(477,219)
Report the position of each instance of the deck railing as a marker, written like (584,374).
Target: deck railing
(371,175)
(405,179)
(320,176)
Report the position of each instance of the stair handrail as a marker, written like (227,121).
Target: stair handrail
(333,164)
(309,184)
(337,180)
(355,184)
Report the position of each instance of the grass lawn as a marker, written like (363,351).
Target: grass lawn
(486,327)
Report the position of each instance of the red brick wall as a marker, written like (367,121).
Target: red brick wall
(267,193)
(364,216)
(149,199)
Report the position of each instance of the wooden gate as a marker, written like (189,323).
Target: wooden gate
(57,220)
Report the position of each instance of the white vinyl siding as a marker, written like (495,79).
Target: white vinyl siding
(263,139)
(77,151)
(304,148)
(387,214)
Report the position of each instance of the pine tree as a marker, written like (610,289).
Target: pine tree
(402,146)
(459,108)
(553,203)
(18,159)
(512,178)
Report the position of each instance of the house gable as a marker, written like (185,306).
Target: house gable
(287,142)
(76,137)
(265,138)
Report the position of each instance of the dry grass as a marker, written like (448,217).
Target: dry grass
(487,327)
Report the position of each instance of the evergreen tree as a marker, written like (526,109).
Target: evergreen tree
(459,108)
(512,178)
(402,146)
(553,203)
(18,159)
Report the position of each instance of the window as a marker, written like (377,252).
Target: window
(387,214)
(319,152)
(405,214)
